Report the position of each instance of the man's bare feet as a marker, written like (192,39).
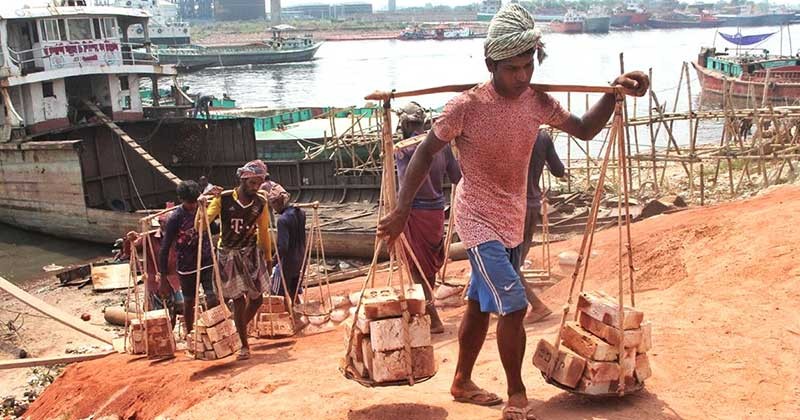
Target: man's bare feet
(469,393)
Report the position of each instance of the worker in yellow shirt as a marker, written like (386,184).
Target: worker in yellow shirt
(245,245)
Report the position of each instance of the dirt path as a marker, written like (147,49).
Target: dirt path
(720,285)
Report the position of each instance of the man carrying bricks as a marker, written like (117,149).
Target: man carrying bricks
(245,246)
(494,125)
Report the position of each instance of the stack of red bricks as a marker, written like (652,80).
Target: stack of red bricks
(214,335)
(272,320)
(378,350)
(588,359)
(160,341)
(136,344)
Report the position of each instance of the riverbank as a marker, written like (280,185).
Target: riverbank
(731,269)
(23,253)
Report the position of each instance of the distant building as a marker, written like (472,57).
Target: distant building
(392,5)
(328,11)
(239,9)
(195,9)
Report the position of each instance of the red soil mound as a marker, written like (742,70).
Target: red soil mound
(720,285)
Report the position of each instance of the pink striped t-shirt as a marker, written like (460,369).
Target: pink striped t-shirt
(494,137)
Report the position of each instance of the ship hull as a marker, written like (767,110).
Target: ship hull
(227,57)
(567,28)
(713,82)
(680,24)
(597,25)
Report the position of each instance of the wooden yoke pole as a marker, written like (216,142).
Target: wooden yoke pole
(386,96)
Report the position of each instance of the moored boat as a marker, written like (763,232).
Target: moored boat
(681,20)
(571,23)
(165,26)
(631,15)
(279,49)
(747,75)
(596,24)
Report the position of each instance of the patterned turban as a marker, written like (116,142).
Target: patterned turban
(276,194)
(412,112)
(511,33)
(254,168)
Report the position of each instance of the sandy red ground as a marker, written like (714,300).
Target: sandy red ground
(720,284)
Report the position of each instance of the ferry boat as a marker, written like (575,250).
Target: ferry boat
(571,23)
(80,156)
(166,27)
(748,73)
(281,48)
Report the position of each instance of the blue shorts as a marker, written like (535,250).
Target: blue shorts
(495,283)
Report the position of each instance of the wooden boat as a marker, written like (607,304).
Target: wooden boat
(571,23)
(749,75)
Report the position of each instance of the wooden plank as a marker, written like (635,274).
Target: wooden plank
(53,312)
(131,142)
(586,344)
(604,308)
(610,334)
(55,360)
(111,277)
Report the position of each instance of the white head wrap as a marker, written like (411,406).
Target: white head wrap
(511,33)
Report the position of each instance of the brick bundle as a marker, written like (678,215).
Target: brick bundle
(588,359)
(214,335)
(378,350)
(136,344)
(272,320)
(160,341)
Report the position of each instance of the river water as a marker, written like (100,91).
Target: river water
(344,72)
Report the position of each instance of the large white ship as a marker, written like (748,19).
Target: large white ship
(166,27)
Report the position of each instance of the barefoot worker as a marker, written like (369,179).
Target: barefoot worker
(544,151)
(245,251)
(494,126)
(425,227)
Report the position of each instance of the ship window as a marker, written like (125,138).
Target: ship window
(110,28)
(47,90)
(34,32)
(124,83)
(49,30)
(79,29)
(62,30)
(98,34)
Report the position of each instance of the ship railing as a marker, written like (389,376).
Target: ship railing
(135,53)
(130,54)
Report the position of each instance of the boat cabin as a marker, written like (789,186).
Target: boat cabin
(52,58)
(747,64)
